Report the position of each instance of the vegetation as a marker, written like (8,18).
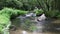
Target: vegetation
(38,11)
(5,15)
(19,4)
(46,5)
(51,8)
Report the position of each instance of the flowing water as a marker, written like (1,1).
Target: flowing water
(48,26)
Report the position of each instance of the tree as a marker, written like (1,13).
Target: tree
(20,4)
(50,7)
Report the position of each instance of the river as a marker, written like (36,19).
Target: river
(48,26)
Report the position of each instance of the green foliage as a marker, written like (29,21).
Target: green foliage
(20,4)
(5,15)
(3,22)
(46,5)
(58,15)
(1,28)
(38,11)
(50,7)
(11,11)
(52,13)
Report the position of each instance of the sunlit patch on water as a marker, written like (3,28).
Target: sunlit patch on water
(24,32)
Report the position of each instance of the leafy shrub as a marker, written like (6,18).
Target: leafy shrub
(1,27)
(58,15)
(13,11)
(38,11)
(5,15)
(52,13)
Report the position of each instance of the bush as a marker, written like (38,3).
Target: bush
(38,11)
(5,15)
(52,13)
(58,15)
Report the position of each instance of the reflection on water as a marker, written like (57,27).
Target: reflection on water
(42,27)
